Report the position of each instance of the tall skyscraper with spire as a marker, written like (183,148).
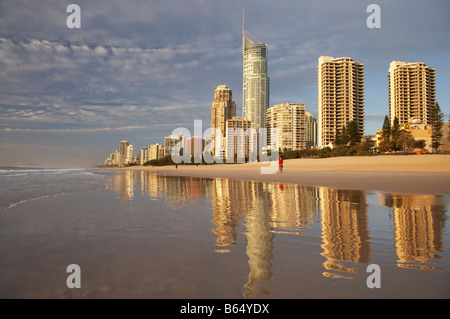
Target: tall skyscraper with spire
(255,86)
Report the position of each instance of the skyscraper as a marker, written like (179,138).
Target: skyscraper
(223,108)
(125,153)
(241,139)
(340,96)
(412,92)
(255,86)
(311,131)
(289,119)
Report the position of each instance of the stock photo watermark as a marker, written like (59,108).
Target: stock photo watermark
(73,20)
(240,146)
(74,279)
(374,19)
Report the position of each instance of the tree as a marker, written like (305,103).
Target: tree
(448,129)
(406,141)
(353,133)
(437,122)
(395,134)
(385,142)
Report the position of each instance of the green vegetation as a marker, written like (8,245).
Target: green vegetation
(437,123)
(395,139)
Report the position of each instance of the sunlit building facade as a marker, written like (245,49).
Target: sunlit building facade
(412,92)
(290,121)
(340,96)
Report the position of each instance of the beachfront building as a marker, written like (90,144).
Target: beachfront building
(412,92)
(290,121)
(340,96)
(241,139)
(311,130)
(255,86)
(172,140)
(223,108)
(155,152)
(195,145)
(125,153)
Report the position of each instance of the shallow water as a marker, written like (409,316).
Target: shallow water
(141,235)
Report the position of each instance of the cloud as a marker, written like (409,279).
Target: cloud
(155,64)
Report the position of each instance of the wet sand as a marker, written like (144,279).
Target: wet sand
(416,174)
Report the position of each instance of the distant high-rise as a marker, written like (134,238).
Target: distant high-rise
(171,141)
(125,153)
(289,119)
(241,139)
(255,86)
(340,96)
(311,131)
(223,108)
(412,92)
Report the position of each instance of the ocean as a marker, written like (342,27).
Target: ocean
(137,234)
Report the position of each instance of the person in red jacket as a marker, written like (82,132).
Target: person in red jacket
(280,165)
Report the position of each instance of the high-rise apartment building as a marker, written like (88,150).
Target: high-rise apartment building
(223,108)
(340,96)
(289,119)
(412,92)
(195,145)
(241,139)
(172,140)
(255,86)
(311,130)
(125,153)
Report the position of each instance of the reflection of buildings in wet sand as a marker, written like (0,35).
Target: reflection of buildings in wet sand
(293,207)
(259,241)
(176,191)
(266,209)
(123,184)
(419,223)
(345,232)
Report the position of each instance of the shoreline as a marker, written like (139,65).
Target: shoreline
(416,174)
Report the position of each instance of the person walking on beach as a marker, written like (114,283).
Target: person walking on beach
(280,165)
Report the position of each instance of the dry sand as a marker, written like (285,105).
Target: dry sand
(424,174)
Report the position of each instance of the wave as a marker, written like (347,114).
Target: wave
(19,184)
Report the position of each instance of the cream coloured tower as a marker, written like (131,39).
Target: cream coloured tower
(290,120)
(223,108)
(412,92)
(255,86)
(340,96)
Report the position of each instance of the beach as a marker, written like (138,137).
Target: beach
(416,174)
(141,233)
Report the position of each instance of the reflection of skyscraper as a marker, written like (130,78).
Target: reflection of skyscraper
(255,90)
(419,225)
(227,203)
(345,230)
(259,242)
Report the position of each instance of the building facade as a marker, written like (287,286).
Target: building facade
(172,140)
(290,121)
(412,92)
(223,108)
(255,86)
(340,96)
(241,139)
(311,130)
(195,145)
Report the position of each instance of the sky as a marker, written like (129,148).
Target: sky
(137,70)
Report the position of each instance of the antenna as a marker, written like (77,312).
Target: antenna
(243,21)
